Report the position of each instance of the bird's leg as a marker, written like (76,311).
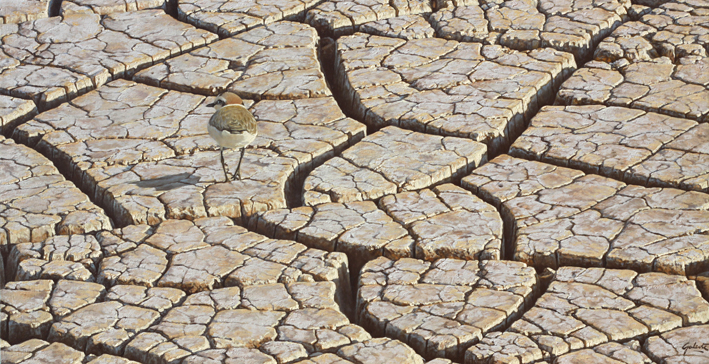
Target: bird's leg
(237,173)
(221,153)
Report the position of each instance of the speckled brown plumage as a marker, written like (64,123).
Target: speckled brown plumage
(234,119)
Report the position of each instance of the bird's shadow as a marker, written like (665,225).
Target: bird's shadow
(169,182)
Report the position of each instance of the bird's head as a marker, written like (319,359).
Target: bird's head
(226,98)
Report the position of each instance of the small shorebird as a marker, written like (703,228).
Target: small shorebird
(232,126)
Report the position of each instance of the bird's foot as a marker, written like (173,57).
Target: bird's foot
(236,176)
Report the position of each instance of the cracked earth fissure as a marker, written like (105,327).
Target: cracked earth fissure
(294,184)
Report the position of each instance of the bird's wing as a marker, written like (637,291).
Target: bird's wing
(234,119)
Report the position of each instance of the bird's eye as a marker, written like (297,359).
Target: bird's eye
(221,102)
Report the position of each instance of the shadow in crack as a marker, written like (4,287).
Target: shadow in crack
(169,182)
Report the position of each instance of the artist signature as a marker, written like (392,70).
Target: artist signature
(695,346)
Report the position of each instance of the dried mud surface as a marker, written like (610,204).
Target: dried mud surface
(433,182)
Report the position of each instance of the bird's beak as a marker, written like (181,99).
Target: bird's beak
(212,104)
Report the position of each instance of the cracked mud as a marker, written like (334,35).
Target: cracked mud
(433,182)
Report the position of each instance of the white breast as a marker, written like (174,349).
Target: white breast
(228,140)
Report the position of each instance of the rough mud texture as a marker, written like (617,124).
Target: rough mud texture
(443,307)
(283,322)
(390,161)
(14,111)
(212,253)
(632,145)
(570,26)
(462,23)
(278,61)
(39,351)
(372,351)
(404,27)
(47,86)
(559,216)
(145,155)
(290,309)
(627,353)
(55,59)
(411,197)
(30,307)
(338,17)
(586,307)
(675,29)
(36,202)
(446,222)
(682,344)
(277,322)
(658,85)
(74,257)
(446,87)
(83,315)
(230,17)
(18,11)
(105,7)
(658,63)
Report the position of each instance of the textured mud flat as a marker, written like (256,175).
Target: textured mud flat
(433,182)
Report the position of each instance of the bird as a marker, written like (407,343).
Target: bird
(232,126)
